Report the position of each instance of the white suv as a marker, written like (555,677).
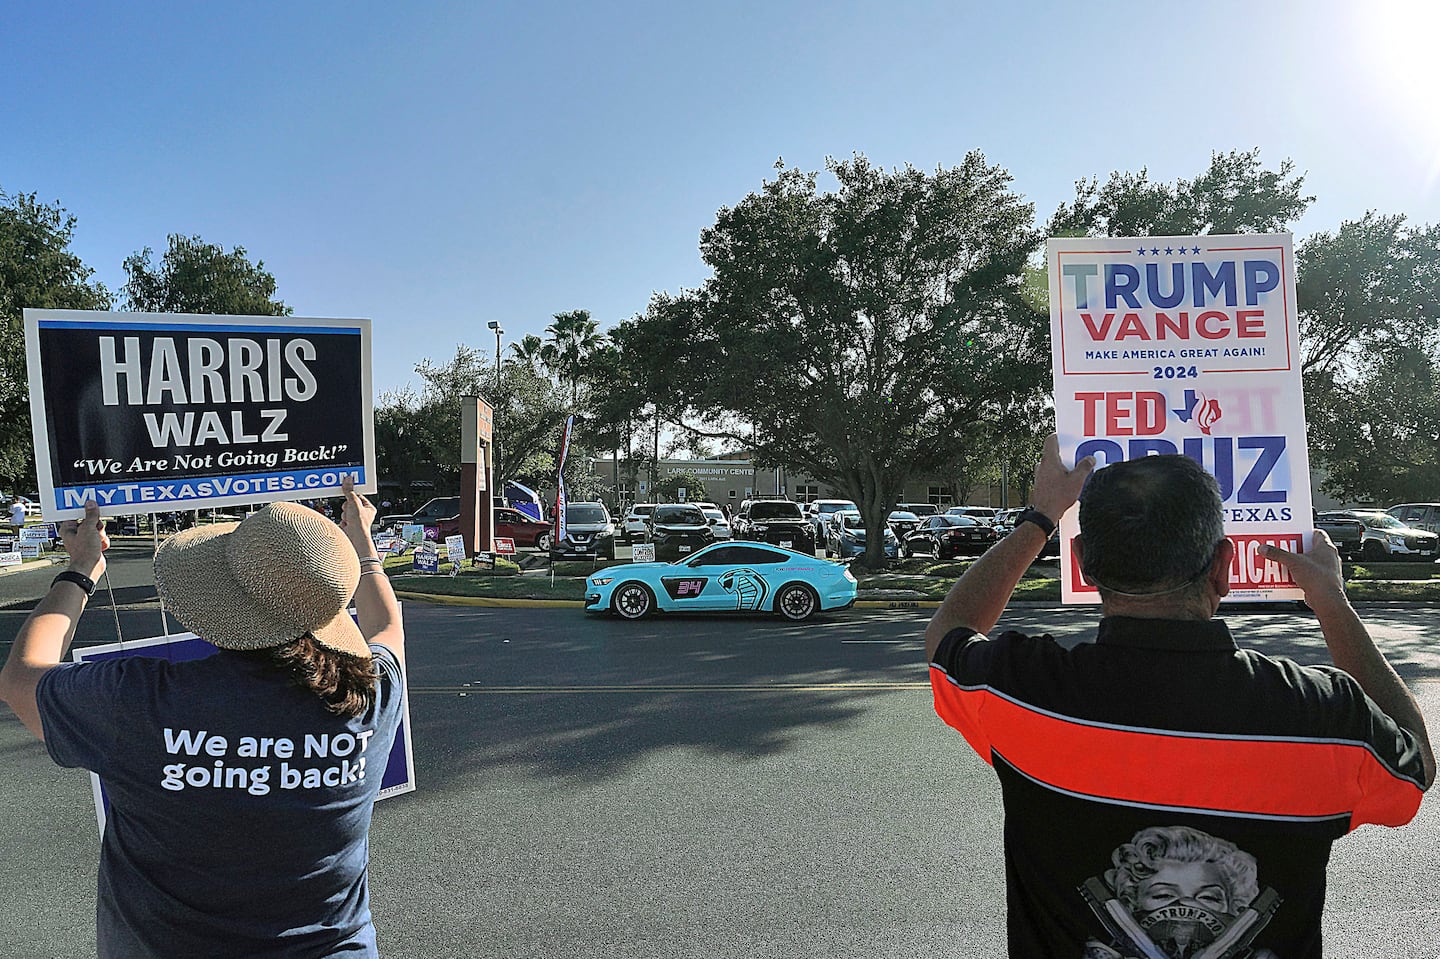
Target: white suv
(820,511)
(634,526)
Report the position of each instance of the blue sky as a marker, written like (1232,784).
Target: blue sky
(435,166)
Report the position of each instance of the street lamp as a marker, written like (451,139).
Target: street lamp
(495,325)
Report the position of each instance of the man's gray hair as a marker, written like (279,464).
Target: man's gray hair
(1150,524)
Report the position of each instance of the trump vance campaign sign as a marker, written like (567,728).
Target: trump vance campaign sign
(152,412)
(1187,345)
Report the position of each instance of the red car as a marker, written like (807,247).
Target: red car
(521,528)
(443,514)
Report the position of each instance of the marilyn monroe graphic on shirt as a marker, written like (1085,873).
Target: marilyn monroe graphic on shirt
(1179,893)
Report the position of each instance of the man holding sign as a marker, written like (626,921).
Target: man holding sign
(242,784)
(1168,794)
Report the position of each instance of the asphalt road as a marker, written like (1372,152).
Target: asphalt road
(686,787)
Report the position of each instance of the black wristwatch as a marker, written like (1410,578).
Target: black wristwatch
(79,579)
(1032,515)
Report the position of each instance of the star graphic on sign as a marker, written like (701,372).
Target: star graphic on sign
(1154,251)
(1197,251)
(1141,251)
(1170,249)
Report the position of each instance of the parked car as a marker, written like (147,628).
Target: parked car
(1005,518)
(902,522)
(391,522)
(735,577)
(1424,516)
(921,510)
(949,535)
(819,511)
(777,521)
(524,530)
(588,533)
(719,525)
(678,530)
(984,514)
(633,526)
(1385,537)
(441,513)
(845,536)
(1347,534)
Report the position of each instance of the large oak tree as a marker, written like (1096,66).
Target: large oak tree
(859,334)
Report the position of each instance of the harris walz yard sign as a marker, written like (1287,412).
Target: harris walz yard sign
(150,412)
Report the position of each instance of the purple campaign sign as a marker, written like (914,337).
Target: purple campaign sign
(399,774)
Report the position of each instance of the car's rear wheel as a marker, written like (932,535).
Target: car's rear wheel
(632,601)
(796,602)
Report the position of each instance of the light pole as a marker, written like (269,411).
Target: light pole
(495,399)
(495,325)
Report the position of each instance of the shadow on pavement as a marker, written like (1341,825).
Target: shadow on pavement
(588,707)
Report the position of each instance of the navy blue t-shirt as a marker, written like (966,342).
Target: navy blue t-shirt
(239,806)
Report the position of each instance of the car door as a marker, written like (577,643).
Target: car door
(509,524)
(696,584)
(746,577)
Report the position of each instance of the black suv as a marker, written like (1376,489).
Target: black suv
(678,529)
(776,521)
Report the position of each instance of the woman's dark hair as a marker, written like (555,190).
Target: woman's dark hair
(1150,523)
(346,683)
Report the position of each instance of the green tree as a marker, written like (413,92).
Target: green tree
(1371,284)
(1235,194)
(530,350)
(1369,300)
(1378,435)
(574,337)
(857,335)
(668,489)
(417,435)
(37,271)
(198,277)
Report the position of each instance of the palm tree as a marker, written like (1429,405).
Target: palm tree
(530,351)
(574,336)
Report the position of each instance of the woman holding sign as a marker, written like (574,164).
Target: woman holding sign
(240,785)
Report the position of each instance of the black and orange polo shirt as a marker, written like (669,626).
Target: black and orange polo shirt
(1166,793)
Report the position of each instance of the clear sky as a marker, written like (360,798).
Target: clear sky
(435,166)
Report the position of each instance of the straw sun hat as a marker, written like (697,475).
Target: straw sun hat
(281,573)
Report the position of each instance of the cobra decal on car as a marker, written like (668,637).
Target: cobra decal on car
(684,587)
(749,587)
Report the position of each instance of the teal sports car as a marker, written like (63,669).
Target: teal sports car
(727,576)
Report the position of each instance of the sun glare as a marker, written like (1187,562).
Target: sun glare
(1396,42)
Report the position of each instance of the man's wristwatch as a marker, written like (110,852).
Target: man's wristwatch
(1032,515)
(79,579)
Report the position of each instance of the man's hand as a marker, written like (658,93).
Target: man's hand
(85,542)
(979,597)
(1317,572)
(1056,488)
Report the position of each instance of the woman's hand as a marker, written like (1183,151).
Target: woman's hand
(85,541)
(356,516)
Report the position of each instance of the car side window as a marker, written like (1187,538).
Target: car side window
(755,556)
(724,556)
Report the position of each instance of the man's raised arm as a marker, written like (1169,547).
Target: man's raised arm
(979,597)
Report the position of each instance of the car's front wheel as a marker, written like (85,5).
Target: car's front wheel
(1374,551)
(632,601)
(796,602)
(542,542)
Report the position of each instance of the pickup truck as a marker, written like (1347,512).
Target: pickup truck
(1346,533)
